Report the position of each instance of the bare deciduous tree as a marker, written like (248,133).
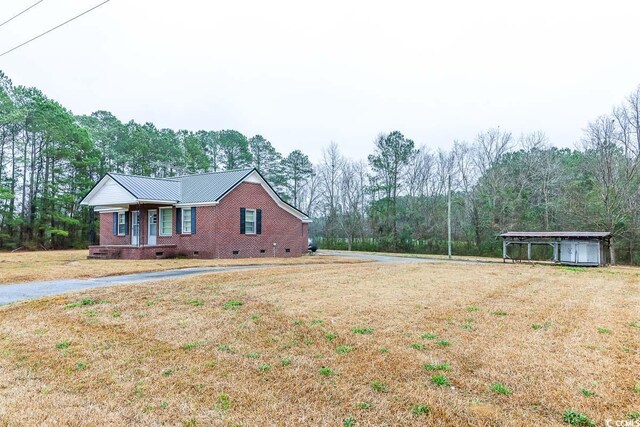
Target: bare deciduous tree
(353,201)
(329,173)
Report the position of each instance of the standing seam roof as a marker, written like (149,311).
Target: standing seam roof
(200,188)
(209,187)
(146,188)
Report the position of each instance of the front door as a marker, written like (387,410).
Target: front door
(135,228)
(153,227)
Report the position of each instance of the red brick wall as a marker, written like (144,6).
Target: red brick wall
(132,252)
(106,232)
(218,228)
(278,226)
(106,227)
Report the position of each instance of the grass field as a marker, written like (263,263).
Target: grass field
(20,267)
(336,345)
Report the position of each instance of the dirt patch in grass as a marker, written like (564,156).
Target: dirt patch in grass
(147,355)
(20,267)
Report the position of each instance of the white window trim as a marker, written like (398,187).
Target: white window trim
(160,233)
(184,230)
(255,220)
(123,214)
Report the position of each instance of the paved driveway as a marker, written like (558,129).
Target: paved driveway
(380,258)
(31,290)
(404,258)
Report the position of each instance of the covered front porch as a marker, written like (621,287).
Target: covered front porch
(136,231)
(136,217)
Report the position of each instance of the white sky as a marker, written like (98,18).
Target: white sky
(303,74)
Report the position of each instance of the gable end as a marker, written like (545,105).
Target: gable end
(255,177)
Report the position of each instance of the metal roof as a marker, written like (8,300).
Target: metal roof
(199,188)
(188,189)
(146,188)
(209,187)
(567,234)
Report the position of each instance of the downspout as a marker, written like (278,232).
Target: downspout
(215,230)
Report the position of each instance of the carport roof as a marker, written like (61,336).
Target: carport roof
(561,234)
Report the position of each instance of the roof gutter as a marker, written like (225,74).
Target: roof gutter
(168,202)
(107,209)
(181,205)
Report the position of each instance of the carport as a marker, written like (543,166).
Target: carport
(584,248)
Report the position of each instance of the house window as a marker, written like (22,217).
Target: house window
(186,221)
(122,223)
(250,221)
(166,221)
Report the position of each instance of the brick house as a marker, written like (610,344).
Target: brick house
(230,214)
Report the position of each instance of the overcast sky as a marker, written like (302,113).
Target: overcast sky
(303,74)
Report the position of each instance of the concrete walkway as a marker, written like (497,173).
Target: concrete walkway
(32,290)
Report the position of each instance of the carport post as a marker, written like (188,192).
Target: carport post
(504,250)
(529,251)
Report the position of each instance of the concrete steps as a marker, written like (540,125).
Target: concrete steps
(104,254)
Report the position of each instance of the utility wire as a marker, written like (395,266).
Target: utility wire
(24,11)
(54,28)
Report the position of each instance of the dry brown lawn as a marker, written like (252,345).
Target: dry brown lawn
(20,267)
(171,353)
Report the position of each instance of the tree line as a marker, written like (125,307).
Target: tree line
(497,182)
(394,200)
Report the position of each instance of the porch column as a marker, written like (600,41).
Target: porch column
(143,226)
(92,226)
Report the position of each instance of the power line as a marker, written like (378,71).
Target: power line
(24,11)
(54,28)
